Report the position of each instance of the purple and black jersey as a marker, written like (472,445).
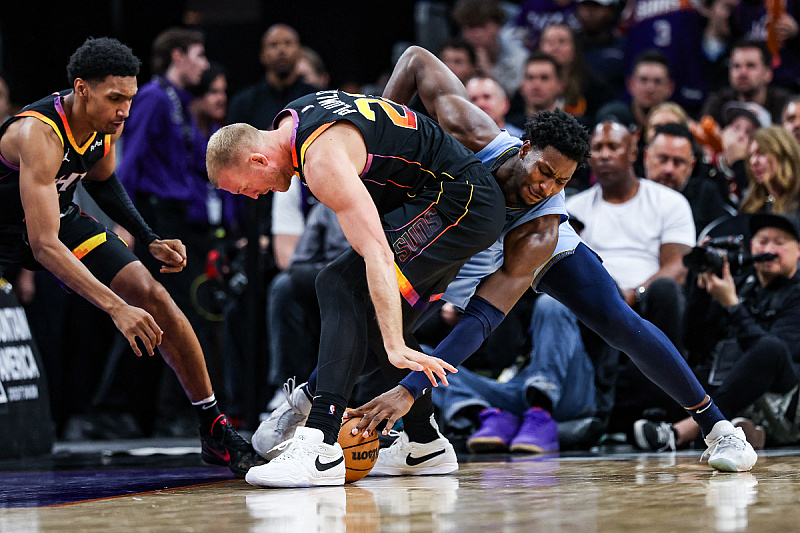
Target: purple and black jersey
(76,162)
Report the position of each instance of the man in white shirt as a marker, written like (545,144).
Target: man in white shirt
(640,228)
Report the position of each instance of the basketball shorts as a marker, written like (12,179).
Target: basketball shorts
(100,249)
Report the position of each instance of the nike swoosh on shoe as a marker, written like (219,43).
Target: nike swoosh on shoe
(327,466)
(414,461)
(226,457)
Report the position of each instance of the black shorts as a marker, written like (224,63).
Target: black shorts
(99,248)
(435,233)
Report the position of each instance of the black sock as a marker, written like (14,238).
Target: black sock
(326,415)
(419,429)
(207,413)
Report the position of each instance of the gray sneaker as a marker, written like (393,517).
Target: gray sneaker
(728,449)
(283,421)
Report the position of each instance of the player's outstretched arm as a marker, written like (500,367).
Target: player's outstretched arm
(443,95)
(39,161)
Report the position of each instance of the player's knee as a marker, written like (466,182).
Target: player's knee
(154,294)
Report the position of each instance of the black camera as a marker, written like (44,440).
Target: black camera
(713,255)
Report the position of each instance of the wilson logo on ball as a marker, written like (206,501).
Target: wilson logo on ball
(371,455)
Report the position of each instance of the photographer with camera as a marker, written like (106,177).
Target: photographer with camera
(744,324)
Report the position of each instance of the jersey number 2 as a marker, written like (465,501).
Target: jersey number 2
(406,120)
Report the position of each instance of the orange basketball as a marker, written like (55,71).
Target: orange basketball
(360,454)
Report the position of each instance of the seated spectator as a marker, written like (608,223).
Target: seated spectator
(499,53)
(774,172)
(660,114)
(669,160)
(791,117)
(741,120)
(603,48)
(649,84)
(541,88)
(749,77)
(745,328)
(488,95)
(584,90)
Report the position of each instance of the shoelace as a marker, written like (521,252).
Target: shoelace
(723,442)
(287,444)
(398,442)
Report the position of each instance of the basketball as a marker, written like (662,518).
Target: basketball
(360,454)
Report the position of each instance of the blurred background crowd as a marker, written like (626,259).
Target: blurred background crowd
(708,91)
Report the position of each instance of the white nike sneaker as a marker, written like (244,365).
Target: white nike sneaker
(305,461)
(280,425)
(728,449)
(406,458)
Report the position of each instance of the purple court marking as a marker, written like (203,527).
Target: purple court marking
(40,489)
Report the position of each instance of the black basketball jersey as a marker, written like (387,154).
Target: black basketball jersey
(76,162)
(406,152)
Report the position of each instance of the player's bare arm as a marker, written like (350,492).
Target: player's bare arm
(171,252)
(525,249)
(443,95)
(39,154)
(332,166)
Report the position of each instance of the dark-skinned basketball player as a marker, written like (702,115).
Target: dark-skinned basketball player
(545,253)
(48,147)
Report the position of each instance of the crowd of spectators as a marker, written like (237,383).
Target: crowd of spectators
(694,113)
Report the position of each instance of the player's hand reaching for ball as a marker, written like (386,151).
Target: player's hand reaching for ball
(389,406)
(405,357)
(172,252)
(135,323)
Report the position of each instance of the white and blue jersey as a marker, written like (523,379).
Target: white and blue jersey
(487,262)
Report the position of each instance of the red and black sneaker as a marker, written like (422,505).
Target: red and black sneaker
(225,447)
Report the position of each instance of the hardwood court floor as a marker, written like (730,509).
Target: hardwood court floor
(582,493)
